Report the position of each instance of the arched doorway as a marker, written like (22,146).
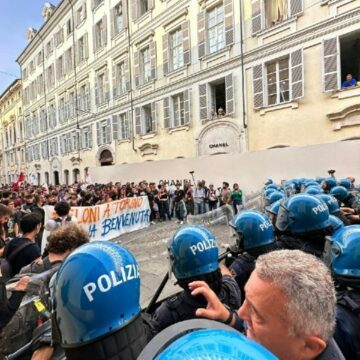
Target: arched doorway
(56,178)
(76,175)
(38,179)
(66,177)
(106,158)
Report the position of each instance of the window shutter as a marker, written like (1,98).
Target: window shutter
(229,22)
(106,84)
(115,126)
(297,74)
(151,4)
(331,64)
(201,34)
(152,48)
(104,29)
(126,134)
(258,86)
(153,116)
(86,46)
(98,135)
(203,102)
(166,112)
(96,91)
(256,17)
(77,52)
(112,22)
(92,4)
(187,96)
(138,121)
(124,13)
(229,86)
(90,136)
(94,39)
(87,94)
(84,10)
(137,68)
(114,84)
(108,131)
(134,9)
(296,7)
(185,27)
(165,42)
(62,150)
(127,73)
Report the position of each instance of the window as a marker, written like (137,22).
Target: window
(120,79)
(147,119)
(40,58)
(100,33)
(84,101)
(71,104)
(176,50)
(50,76)
(86,137)
(118,19)
(54,146)
(52,116)
(101,88)
(350,57)
(49,48)
(69,63)
(43,125)
(62,110)
(32,66)
(178,110)
(277,77)
(216,29)
(143,7)
(218,98)
(103,132)
(60,67)
(82,48)
(146,64)
(74,141)
(44,150)
(120,127)
(96,3)
(80,14)
(34,125)
(59,37)
(69,27)
(276,11)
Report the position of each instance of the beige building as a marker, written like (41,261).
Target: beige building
(119,81)
(297,54)
(12,156)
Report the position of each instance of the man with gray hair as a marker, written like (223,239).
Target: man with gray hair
(289,306)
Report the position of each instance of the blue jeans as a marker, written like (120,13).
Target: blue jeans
(164,210)
(199,207)
(236,203)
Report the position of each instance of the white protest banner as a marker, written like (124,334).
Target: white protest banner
(108,221)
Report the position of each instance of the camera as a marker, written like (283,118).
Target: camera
(331,172)
(191,172)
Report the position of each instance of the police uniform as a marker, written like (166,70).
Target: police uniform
(183,305)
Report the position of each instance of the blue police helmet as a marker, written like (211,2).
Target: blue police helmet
(342,253)
(339,192)
(267,192)
(302,213)
(214,344)
(331,202)
(345,183)
(313,190)
(319,179)
(275,196)
(254,228)
(310,183)
(274,207)
(271,186)
(331,182)
(335,222)
(96,291)
(193,251)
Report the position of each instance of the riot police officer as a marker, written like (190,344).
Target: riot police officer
(334,208)
(193,253)
(303,221)
(342,254)
(96,308)
(255,237)
(344,196)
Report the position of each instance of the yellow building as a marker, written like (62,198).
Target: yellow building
(297,54)
(12,157)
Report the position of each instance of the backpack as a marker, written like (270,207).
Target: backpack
(19,331)
(5,262)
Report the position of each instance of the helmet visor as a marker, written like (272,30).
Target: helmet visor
(283,219)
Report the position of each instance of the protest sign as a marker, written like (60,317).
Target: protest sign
(108,221)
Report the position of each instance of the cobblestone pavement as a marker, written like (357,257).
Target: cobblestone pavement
(149,247)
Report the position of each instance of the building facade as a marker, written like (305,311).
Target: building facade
(12,156)
(119,81)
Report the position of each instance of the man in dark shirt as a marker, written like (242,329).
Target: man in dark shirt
(30,226)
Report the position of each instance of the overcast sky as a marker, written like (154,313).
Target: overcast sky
(16,16)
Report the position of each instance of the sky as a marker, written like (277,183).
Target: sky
(16,16)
